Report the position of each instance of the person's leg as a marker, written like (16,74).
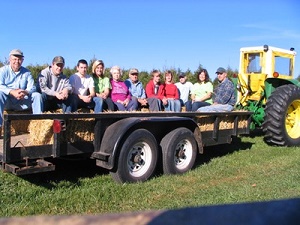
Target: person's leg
(177,106)
(168,106)
(74,102)
(132,105)
(110,104)
(36,103)
(67,105)
(98,104)
(3,100)
(223,108)
(172,105)
(216,108)
(33,101)
(188,106)
(197,105)
(45,102)
(120,106)
(154,104)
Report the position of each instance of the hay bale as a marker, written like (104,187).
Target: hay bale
(80,130)
(18,126)
(206,123)
(41,131)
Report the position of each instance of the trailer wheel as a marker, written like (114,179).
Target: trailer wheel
(282,116)
(179,151)
(137,159)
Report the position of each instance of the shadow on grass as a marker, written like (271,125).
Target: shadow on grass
(216,151)
(254,133)
(70,170)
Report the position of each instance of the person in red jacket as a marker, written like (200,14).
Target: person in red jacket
(155,92)
(171,93)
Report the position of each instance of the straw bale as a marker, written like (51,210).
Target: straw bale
(18,126)
(41,131)
(80,130)
(206,123)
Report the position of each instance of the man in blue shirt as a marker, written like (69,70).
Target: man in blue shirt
(17,89)
(136,87)
(224,98)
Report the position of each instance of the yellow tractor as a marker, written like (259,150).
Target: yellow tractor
(266,86)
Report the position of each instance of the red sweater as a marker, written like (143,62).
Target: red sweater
(171,91)
(150,91)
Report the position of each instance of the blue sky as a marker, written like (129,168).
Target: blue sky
(148,35)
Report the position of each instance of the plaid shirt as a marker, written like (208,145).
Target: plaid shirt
(224,93)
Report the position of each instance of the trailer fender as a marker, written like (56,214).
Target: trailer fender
(115,134)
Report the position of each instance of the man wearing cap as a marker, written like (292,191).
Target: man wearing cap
(17,89)
(136,87)
(184,88)
(224,98)
(55,87)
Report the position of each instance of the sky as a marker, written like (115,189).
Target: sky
(156,34)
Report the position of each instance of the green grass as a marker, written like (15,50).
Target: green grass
(248,170)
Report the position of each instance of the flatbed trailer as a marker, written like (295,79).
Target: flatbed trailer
(131,145)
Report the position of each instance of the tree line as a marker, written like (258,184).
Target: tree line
(144,76)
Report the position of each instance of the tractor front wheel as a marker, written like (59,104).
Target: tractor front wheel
(282,116)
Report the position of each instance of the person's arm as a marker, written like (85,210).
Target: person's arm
(43,79)
(105,93)
(208,93)
(176,92)
(4,74)
(30,88)
(92,87)
(149,90)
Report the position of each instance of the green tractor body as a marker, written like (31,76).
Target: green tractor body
(266,86)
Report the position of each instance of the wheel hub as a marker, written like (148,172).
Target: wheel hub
(137,158)
(181,153)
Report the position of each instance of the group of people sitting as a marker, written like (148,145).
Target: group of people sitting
(54,90)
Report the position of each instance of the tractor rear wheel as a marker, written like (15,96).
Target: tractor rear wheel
(282,116)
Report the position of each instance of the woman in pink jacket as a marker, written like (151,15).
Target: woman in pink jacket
(120,94)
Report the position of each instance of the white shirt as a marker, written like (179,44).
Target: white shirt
(184,90)
(81,85)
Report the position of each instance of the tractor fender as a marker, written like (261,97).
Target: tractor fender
(277,82)
(115,134)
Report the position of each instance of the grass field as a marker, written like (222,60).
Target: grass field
(247,170)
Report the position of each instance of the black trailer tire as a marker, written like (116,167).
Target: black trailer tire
(282,116)
(179,151)
(137,158)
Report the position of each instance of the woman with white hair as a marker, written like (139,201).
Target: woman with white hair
(120,93)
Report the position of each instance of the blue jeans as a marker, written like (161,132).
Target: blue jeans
(216,108)
(195,105)
(33,101)
(96,104)
(173,105)
(132,105)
